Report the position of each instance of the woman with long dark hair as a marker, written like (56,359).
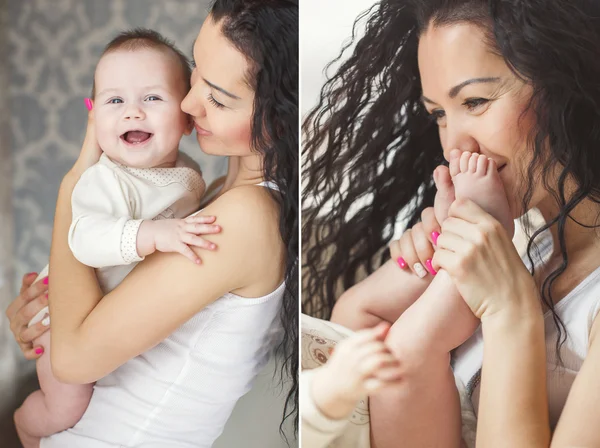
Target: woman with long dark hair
(514,82)
(175,345)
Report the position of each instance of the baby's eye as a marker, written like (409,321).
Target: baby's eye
(153,98)
(115,101)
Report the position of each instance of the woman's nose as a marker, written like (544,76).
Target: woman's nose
(457,136)
(192,105)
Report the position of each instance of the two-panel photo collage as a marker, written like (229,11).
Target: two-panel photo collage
(299,223)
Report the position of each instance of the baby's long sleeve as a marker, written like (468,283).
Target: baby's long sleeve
(103,232)
(318,431)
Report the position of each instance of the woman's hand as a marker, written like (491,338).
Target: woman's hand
(32,298)
(414,250)
(486,268)
(90,150)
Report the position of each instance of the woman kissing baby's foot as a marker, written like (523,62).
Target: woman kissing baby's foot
(476,178)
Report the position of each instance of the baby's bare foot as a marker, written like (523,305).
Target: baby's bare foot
(445,193)
(476,178)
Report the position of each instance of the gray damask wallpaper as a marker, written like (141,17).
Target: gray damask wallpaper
(48,53)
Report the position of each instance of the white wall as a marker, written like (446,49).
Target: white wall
(324,26)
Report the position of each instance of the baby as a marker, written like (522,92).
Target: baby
(429,317)
(132,202)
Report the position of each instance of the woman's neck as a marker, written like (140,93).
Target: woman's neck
(246,170)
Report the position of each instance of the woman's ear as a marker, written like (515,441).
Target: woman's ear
(189,126)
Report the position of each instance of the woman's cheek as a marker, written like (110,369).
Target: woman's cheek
(235,134)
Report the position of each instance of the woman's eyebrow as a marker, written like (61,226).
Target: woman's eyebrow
(220,89)
(454,91)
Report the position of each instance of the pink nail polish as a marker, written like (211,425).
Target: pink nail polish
(401,262)
(88,104)
(434,237)
(46,296)
(39,351)
(430,267)
(45,281)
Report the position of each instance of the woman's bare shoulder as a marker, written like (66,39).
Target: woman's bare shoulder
(253,205)
(249,217)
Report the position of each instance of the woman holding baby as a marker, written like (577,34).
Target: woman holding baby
(472,113)
(179,340)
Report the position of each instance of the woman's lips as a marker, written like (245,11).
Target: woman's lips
(201,131)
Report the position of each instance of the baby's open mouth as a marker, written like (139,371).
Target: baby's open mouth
(136,137)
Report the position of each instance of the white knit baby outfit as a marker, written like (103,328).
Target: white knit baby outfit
(109,203)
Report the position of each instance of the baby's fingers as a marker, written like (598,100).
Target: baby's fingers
(197,241)
(201,229)
(198,219)
(375,362)
(187,252)
(389,373)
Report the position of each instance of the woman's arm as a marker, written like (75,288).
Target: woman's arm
(578,423)
(488,272)
(513,406)
(93,335)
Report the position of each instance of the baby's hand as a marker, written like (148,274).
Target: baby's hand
(176,235)
(359,365)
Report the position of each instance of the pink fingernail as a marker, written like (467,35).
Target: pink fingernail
(434,237)
(401,262)
(430,267)
(45,281)
(88,104)
(46,296)
(39,351)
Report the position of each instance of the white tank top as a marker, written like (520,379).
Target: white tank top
(577,310)
(181,392)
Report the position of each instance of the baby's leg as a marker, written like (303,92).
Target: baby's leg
(382,296)
(424,410)
(54,408)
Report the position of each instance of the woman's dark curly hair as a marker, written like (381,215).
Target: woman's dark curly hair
(266,32)
(370,150)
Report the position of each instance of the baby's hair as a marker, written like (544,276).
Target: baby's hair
(142,38)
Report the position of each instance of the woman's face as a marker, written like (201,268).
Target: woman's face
(220,101)
(477,101)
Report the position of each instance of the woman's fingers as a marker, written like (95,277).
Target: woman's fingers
(90,150)
(28,335)
(396,254)
(38,289)
(24,315)
(430,224)
(27,281)
(31,353)
(410,255)
(423,247)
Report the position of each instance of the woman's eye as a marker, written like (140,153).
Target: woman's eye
(473,103)
(153,98)
(437,115)
(215,102)
(115,101)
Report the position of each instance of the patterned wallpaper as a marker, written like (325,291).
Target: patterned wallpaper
(53,48)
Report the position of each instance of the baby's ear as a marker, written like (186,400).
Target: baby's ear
(189,126)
